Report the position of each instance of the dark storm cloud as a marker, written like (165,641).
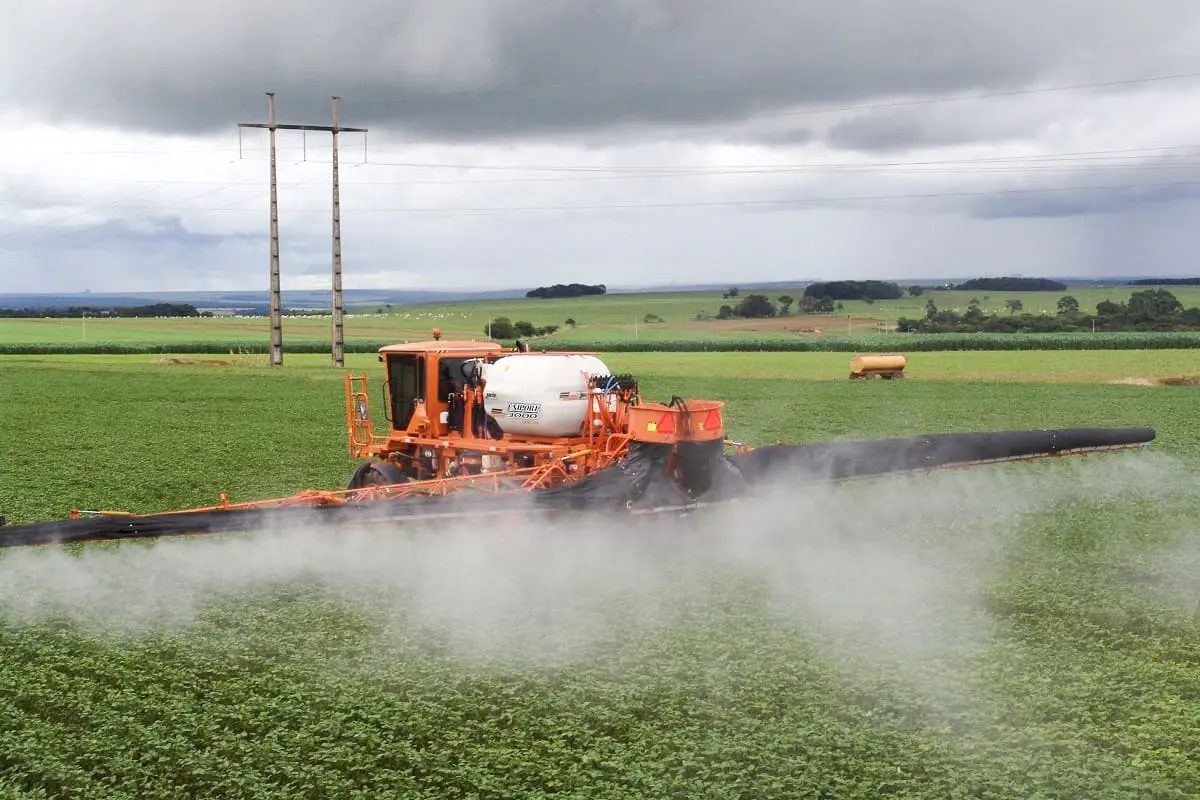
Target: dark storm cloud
(160,230)
(1114,200)
(929,127)
(493,69)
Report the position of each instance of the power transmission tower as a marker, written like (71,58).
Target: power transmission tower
(338,345)
(338,331)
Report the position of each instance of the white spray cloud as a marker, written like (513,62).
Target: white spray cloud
(895,568)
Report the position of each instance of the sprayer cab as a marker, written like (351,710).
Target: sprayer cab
(423,381)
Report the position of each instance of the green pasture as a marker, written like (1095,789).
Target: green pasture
(606,315)
(605,318)
(1041,639)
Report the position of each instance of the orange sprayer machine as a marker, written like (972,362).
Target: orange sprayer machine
(473,413)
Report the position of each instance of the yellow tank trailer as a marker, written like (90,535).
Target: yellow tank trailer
(881,365)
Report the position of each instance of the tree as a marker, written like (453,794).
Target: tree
(916,291)
(523,328)
(1013,306)
(754,306)
(1151,305)
(567,290)
(817,305)
(1067,305)
(733,292)
(930,309)
(785,303)
(854,290)
(501,328)
(725,312)
(570,322)
(1109,309)
(974,315)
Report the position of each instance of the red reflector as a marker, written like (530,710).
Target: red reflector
(667,423)
(712,421)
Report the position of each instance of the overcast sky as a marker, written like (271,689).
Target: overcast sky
(630,142)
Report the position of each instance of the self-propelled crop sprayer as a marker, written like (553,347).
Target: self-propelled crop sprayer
(474,430)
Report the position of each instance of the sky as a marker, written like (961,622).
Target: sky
(626,142)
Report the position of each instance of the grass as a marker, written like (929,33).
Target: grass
(607,318)
(1065,668)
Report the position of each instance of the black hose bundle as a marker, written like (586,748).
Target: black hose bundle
(841,460)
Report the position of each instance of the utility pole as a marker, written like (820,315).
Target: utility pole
(276,305)
(338,344)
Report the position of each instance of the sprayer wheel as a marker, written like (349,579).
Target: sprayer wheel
(376,473)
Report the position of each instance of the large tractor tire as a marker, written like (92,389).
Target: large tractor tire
(376,473)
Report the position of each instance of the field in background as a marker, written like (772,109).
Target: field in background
(231,421)
(608,318)
(1059,660)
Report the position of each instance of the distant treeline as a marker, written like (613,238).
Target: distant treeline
(853,290)
(153,310)
(567,290)
(1011,285)
(1146,310)
(909,343)
(1165,282)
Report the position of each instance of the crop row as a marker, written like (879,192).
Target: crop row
(906,342)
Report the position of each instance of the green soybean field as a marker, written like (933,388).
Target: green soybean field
(1010,631)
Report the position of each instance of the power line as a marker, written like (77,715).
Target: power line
(793,166)
(797,201)
(685,87)
(793,201)
(1139,158)
(791,172)
(159,151)
(896,168)
(984,166)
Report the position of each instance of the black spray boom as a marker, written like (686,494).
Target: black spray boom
(652,479)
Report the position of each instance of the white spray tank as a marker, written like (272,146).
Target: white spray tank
(540,395)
